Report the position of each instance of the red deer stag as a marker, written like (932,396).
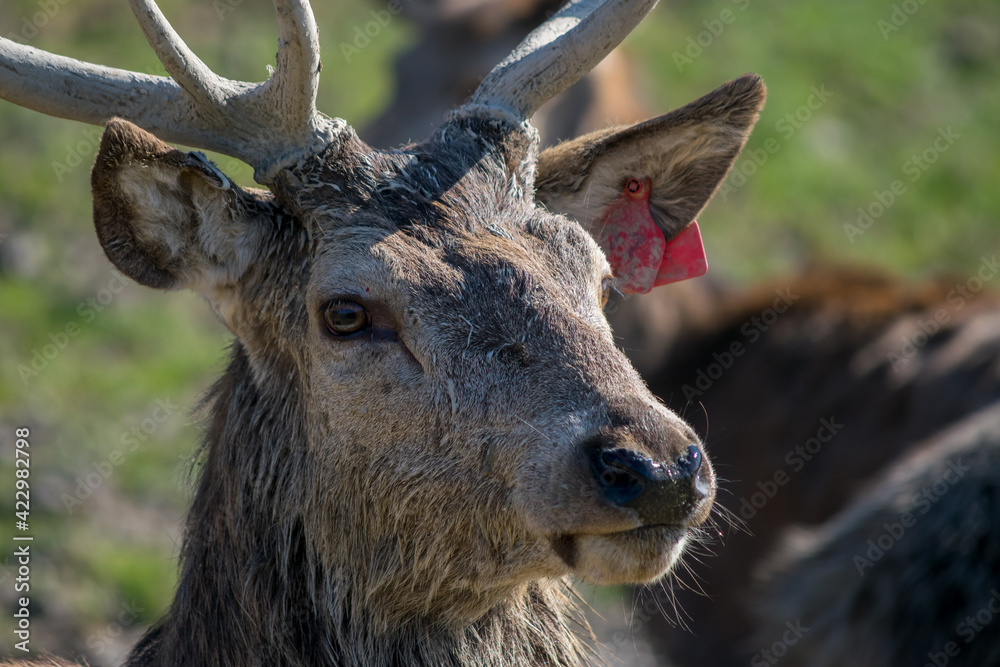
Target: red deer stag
(425,426)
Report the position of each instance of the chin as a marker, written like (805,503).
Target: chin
(637,556)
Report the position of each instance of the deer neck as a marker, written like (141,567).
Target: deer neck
(253,592)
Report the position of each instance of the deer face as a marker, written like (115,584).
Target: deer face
(469,412)
(470,424)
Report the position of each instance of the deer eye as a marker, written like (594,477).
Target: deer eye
(344,318)
(606,285)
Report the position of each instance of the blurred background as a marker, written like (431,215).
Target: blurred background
(879,146)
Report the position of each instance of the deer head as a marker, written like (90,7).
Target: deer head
(425,421)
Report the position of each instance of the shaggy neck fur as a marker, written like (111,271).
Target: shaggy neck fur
(252,591)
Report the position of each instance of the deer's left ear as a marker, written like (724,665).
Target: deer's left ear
(638,189)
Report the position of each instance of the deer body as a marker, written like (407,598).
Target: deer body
(924,598)
(425,426)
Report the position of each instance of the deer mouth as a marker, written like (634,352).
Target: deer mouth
(635,556)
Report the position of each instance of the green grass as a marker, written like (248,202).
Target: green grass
(889,99)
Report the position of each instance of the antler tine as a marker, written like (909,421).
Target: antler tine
(270,125)
(296,79)
(184,67)
(292,88)
(558,53)
(279,119)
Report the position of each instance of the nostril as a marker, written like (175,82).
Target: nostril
(622,474)
(690,463)
(690,467)
(626,462)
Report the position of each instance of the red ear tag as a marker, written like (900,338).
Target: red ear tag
(636,248)
(684,257)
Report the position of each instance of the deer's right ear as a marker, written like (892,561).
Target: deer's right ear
(638,189)
(169,219)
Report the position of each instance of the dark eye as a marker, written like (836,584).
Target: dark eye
(344,318)
(606,285)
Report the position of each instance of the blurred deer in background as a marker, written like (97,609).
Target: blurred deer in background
(809,412)
(425,426)
(827,395)
(907,573)
(457,44)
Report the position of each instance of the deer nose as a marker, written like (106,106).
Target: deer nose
(661,493)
